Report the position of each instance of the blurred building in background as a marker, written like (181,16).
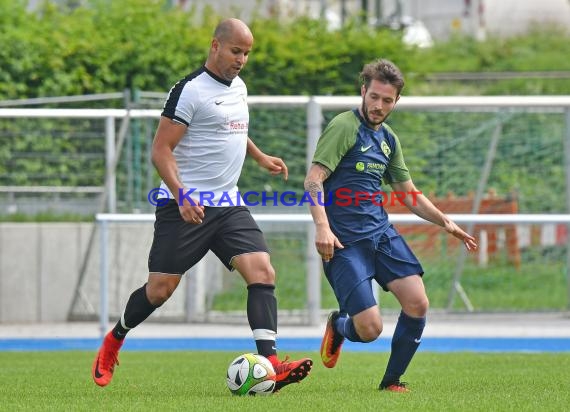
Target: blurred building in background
(421,20)
(440,18)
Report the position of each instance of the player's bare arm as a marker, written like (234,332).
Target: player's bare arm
(424,208)
(275,165)
(168,135)
(325,240)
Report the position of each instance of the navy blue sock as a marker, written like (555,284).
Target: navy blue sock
(345,326)
(405,342)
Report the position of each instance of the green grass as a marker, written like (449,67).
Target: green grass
(177,381)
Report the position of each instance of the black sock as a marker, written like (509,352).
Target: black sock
(262,317)
(137,310)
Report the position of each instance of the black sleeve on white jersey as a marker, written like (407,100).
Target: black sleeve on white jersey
(171,103)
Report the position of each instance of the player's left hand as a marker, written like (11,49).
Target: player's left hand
(275,165)
(466,238)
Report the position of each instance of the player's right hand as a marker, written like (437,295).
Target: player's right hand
(326,242)
(192,213)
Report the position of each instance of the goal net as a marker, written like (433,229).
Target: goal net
(470,155)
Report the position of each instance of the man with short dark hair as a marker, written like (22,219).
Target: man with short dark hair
(355,239)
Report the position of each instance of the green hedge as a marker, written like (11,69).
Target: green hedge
(143,44)
(146,45)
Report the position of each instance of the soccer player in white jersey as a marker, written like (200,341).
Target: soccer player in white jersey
(198,150)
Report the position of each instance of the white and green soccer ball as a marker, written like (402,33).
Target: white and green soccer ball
(251,374)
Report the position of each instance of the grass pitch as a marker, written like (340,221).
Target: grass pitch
(177,381)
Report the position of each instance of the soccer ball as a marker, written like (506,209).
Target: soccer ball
(251,374)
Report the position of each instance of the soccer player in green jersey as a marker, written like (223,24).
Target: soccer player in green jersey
(357,242)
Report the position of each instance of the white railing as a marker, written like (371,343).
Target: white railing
(313,270)
(315,105)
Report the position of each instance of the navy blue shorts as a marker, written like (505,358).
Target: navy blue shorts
(226,231)
(351,270)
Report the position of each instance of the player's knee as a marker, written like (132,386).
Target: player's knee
(370,331)
(418,307)
(159,294)
(266,275)
(423,305)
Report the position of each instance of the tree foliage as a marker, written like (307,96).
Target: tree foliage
(109,46)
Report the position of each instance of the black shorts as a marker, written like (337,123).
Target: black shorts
(226,231)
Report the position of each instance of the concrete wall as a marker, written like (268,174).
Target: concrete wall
(511,17)
(441,17)
(40,266)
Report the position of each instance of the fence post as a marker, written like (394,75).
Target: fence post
(135,140)
(104,280)
(110,164)
(314,122)
(567,170)
(196,285)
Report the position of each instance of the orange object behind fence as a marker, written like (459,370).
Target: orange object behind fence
(429,237)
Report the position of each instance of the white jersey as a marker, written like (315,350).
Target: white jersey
(211,153)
